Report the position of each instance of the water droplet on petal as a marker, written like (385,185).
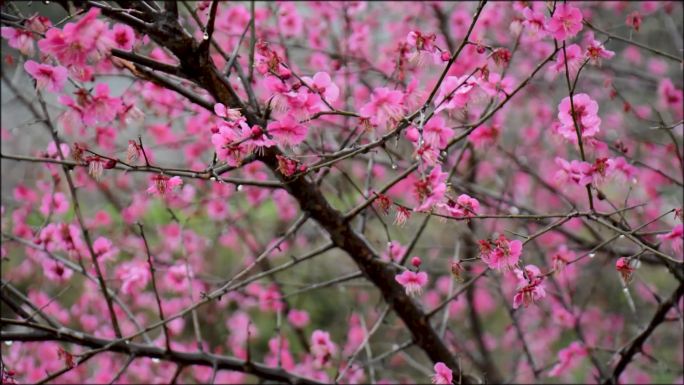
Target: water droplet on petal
(592,255)
(205,36)
(213,179)
(394,166)
(155,360)
(239,187)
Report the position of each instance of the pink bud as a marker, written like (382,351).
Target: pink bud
(415,261)
(256,131)
(412,134)
(445,56)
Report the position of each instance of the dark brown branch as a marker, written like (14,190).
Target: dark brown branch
(638,342)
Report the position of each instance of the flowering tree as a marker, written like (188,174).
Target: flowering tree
(342,192)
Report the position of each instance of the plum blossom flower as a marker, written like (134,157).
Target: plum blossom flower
(231,142)
(298,318)
(123,37)
(76,42)
(56,203)
(500,254)
(575,171)
(395,251)
(464,206)
(413,282)
(47,76)
(671,97)
(322,348)
(573,56)
(104,249)
(229,113)
(675,238)
(624,267)
(634,20)
(134,277)
(287,131)
(530,286)
(100,107)
(454,92)
(20,39)
(443,375)
(568,358)
(424,45)
(534,22)
(430,190)
(565,23)
(385,105)
(586,116)
(56,271)
(161,185)
(323,85)
(596,51)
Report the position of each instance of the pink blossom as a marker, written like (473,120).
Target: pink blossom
(287,131)
(289,21)
(454,92)
(586,116)
(484,136)
(322,348)
(568,359)
(56,271)
(395,251)
(412,282)
(675,238)
(323,85)
(430,190)
(443,375)
(162,185)
(573,55)
(534,21)
(634,20)
(671,97)
(76,42)
(231,143)
(55,204)
(104,249)
(565,23)
(500,254)
(596,52)
(101,108)
(574,171)
(229,113)
(436,133)
(298,318)
(20,39)
(530,286)
(123,37)
(47,76)
(465,206)
(385,105)
(134,277)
